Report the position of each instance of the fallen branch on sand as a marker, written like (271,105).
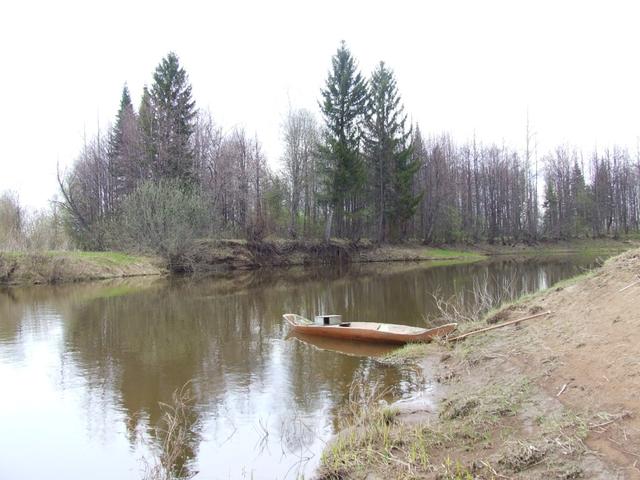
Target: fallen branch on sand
(630,285)
(493,327)
(564,387)
(615,418)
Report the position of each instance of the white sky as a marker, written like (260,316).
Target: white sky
(461,67)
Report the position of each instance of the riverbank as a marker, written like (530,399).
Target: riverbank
(555,397)
(242,255)
(220,255)
(215,256)
(22,268)
(211,256)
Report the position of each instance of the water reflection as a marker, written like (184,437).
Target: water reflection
(86,366)
(347,347)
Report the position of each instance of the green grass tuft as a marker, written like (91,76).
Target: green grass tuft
(103,258)
(445,253)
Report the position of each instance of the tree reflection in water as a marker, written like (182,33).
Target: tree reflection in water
(259,399)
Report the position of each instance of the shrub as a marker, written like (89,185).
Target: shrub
(22,229)
(160,217)
(12,219)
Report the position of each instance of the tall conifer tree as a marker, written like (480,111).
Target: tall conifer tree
(343,106)
(146,128)
(125,112)
(124,150)
(174,115)
(389,156)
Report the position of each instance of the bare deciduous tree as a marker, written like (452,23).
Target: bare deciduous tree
(300,134)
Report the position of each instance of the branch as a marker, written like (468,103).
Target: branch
(493,327)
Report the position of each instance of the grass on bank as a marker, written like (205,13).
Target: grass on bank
(105,258)
(583,246)
(476,420)
(70,266)
(446,253)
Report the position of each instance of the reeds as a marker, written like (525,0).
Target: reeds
(175,434)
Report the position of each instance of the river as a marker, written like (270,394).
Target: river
(84,368)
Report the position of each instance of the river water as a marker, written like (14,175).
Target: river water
(84,368)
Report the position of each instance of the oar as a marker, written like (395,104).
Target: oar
(493,327)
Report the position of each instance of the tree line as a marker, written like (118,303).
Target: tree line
(166,173)
(24,229)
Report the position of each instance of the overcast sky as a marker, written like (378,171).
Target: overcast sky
(460,66)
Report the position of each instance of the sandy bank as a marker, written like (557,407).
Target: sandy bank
(555,397)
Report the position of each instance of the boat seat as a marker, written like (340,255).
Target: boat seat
(404,329)
(303,321)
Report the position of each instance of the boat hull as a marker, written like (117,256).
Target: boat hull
(370,331)
(347,347)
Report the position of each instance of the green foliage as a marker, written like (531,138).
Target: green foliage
(404,201)
(127,164)
(582,202)
(550,210)
(389,155)
(450,224)
(146,127)
(174,115)
(116,140)
(105,258)
(343,107)
(361,176)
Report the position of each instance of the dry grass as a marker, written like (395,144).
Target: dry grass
(59,267)
(373,439)
(483,431)
(175,434)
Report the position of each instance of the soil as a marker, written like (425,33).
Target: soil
(221,256)
(224,255)
(584,359)
(557,396)
(587,355)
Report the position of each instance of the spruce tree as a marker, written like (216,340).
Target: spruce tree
(550,206)
(404,200)
(125,112)
(146,128)
(343,107)
(174,115)
(389,156)
(580,200)
(124,149)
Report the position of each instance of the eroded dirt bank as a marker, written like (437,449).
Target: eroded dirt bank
(243,255)
(215,256)
(219,255)
(211,256)
(554,397)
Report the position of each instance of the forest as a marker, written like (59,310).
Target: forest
(165,173)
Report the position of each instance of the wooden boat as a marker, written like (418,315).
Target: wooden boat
(368,331)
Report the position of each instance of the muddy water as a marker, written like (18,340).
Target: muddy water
(83,368)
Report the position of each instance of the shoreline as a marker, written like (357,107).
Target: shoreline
(53,267)
(222,256)
(550,398)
